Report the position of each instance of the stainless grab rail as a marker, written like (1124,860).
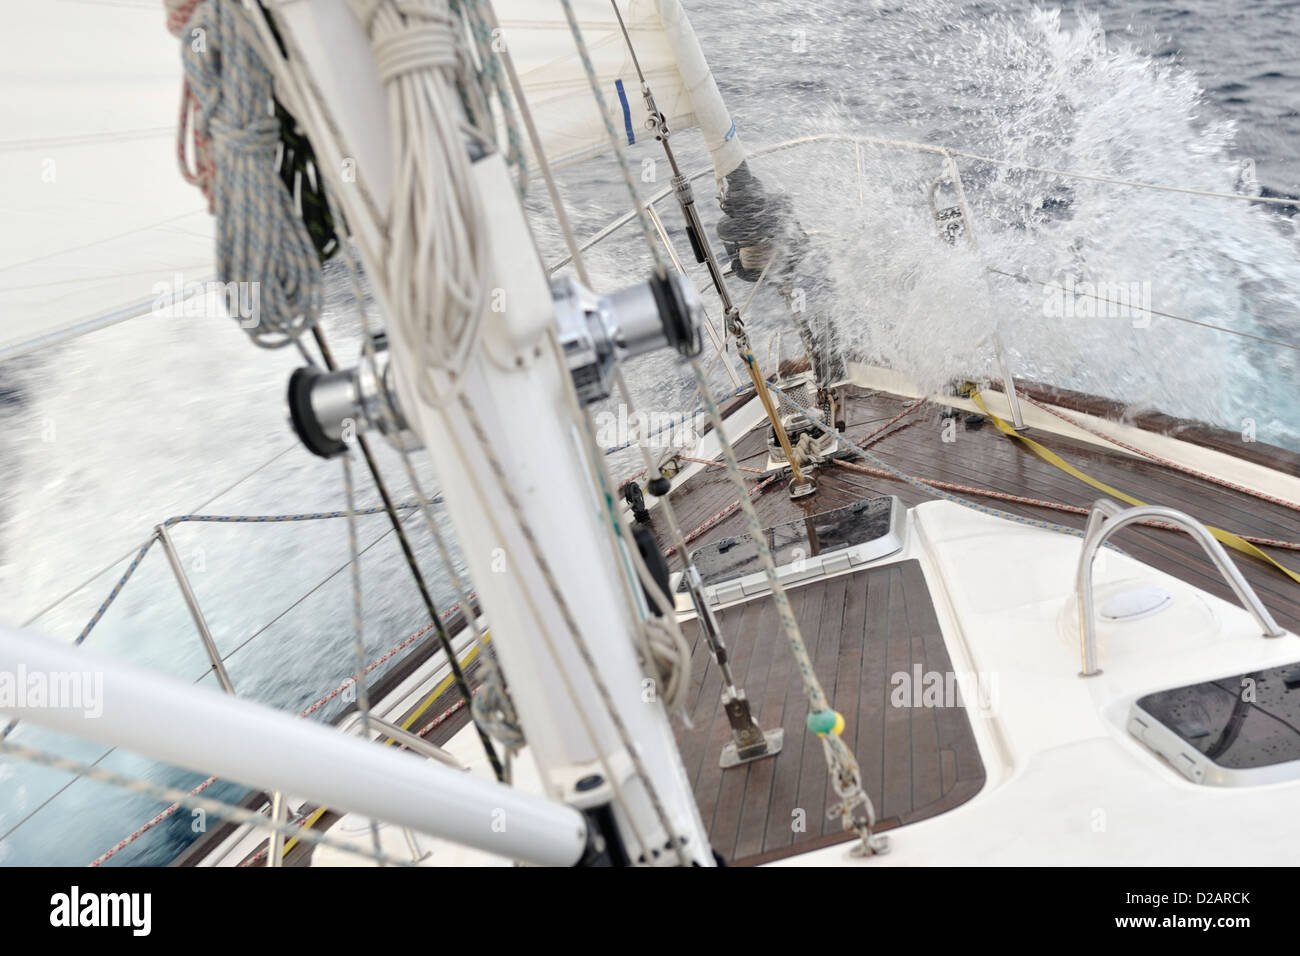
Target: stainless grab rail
(1105,519)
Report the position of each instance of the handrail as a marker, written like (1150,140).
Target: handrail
(951,155)
(404,738)
(916,147)
(1105,519)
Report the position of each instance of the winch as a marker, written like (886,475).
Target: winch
(595,333)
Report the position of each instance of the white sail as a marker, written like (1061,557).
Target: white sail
(97,219)
(559,93)
(96,216)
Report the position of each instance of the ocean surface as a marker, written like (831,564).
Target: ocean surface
(103,437)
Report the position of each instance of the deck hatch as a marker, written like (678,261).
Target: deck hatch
(1242,730)
(820,544)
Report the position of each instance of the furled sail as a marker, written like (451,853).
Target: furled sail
(97,219)
(559,94)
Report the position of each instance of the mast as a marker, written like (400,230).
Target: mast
(507,441)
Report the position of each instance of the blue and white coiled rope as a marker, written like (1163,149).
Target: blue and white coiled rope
(262,243)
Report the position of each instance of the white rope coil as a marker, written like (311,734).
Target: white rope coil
(437,272)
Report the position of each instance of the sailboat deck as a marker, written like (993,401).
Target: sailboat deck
(985,459)
(916,761)
(864,627)
(861,628)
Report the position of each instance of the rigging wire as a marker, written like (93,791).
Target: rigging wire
(216,808)
(305,712)
(302,83)
(856,809)
(358,627)
(496,711)
(1022,277)
(227,657)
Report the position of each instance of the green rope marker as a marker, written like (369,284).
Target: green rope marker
(823,722)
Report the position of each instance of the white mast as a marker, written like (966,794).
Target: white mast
(510,460)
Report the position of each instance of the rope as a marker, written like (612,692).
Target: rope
(495,712)
(1234,541)
(190,141)
(262,242)
(664,647)
(846,778)
(478,17)
(500,719)
(925,486)
(1044,503)
(580,645)
(1213,479)
(216,808)
(217,519)
(855,808)
(144,550)
(436,264)
(752,493)
(868,439)
(594,81)
(51,606)
(358,627)
(718,464)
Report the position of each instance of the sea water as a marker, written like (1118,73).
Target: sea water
(103,437)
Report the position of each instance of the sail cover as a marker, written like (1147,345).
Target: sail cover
(555,83)
(97,219)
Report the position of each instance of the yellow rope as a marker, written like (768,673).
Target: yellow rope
(1236,542)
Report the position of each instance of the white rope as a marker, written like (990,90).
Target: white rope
(436,264)
(304,87)
(846,779)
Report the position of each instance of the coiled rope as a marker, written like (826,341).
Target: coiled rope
(262,242)
(437,263)
(190,141)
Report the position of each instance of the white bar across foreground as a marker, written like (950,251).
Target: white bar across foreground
(213,733)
